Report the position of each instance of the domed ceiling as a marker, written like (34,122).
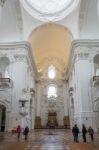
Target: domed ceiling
(49,10)
(51,46)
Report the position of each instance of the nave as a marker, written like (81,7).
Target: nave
(48,140)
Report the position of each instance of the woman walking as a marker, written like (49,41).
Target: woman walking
(18,132)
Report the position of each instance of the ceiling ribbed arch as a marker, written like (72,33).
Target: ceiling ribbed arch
(51,45)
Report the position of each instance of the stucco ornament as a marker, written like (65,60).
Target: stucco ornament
(2,2)
(49,10)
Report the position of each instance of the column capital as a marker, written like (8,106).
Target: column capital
(20,57)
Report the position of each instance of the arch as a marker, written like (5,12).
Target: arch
(5,103)
(96,64)
(51,91)
(52,41)
(4,63)
(47,24)
(49,10)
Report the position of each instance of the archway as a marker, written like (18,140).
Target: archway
(51,44)
(2,117)
(96,65)
(51,47)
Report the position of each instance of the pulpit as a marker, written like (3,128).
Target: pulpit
(52,120)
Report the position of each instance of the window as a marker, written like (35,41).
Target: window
(52,91)
(96,65)
(51,72)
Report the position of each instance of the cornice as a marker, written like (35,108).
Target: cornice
(84,42)
(23,44)
(80,43)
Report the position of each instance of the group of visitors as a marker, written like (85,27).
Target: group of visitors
(75,131)
(25,132)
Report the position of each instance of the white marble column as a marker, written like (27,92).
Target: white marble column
(19,77)
(38,105)
(65,97)
(38,111)
(33,111)
(7,125)
(98,8)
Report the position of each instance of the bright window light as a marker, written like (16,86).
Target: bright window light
(51,72)
(52,91)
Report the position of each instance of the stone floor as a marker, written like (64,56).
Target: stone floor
(48,140)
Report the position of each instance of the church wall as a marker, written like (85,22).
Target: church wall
(83,54)
(88,20)
(21,73)
(58,104)
(11,22)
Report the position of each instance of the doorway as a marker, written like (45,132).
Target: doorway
(2,118)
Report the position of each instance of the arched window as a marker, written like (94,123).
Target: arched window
(4,64)
(96,65)
(51,72)
(52,91)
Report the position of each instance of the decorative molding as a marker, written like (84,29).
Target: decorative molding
(46,14)
(2,2)
(83,13)
(81,56)
(84,46)
(6,103)
(20,57)
(20,47)
(19,16)
(85,42)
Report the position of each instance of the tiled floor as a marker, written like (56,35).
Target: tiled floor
(48,140)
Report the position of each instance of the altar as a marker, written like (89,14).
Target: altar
(52,120)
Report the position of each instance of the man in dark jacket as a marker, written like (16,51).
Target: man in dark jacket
(84,131)
(75,131)
(26,131)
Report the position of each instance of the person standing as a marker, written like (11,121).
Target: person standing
(91,133)
(18,132)
(26,131)
(84,131)
(75,131)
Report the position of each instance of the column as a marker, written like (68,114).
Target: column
(7,125)
(82,101)
(98,8)
(65,97)
(19,78)
(38,111)
(32,110)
